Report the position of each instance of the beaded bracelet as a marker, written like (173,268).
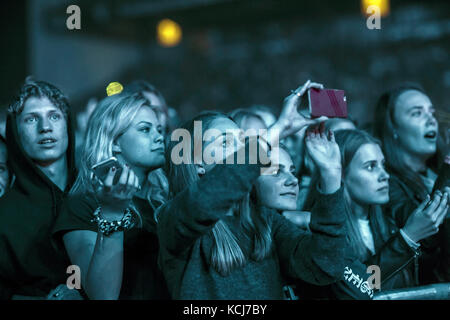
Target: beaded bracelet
(108,227)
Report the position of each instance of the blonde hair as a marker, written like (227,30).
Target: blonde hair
(110,119)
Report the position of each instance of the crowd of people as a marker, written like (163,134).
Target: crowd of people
(332,201)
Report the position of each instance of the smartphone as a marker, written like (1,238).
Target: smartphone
(331,103)
(102,168)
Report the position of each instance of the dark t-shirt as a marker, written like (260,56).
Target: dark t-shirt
(142,278)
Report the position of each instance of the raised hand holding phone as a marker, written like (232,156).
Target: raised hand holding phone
(290,120)
(115,194)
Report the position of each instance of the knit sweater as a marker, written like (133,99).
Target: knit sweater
(186,242)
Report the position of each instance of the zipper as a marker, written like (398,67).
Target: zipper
(416,268)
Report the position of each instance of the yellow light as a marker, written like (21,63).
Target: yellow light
(169,33)
(382,4)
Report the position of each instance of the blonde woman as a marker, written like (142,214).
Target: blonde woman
(108,226)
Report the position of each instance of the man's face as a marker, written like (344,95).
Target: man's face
(42,129)
(4,172)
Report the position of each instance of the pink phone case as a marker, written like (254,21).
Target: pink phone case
(328,102)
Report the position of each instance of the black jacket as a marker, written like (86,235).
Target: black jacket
(30,264)
(434,261)
(393,256)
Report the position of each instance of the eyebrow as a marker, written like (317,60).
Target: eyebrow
(370,161)
(419,107)
(36,113)
(145,122)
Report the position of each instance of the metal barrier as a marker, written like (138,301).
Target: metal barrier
(438,291)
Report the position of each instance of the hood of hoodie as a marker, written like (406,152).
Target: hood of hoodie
(29,179)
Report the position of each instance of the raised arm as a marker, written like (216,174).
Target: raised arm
(100,256)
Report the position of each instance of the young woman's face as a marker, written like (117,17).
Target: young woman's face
(279,190)
(4,172)
(415,124)
(366,180)
(222,138)
(142,145)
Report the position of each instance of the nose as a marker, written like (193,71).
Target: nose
(384,176)
(159,137)
(44,125)
(291,180)
(431,119)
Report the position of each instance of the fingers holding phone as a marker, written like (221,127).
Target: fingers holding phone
(118,185)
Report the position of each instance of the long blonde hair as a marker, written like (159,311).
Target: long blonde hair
(227,253)
(110,119)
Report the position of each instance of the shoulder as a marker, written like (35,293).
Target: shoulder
(76,213)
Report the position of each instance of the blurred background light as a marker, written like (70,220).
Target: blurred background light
(384,6)
(169,33)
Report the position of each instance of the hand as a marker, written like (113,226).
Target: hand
(427,218)
(323,150)
(290,120)
(115,198)
(325,153)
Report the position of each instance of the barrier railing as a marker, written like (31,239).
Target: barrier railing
(438,291)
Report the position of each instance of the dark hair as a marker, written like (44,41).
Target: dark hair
(384,129)
(39,89)
(2,139)
(349,142)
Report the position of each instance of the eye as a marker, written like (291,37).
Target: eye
(55,116)
(276,171)
(2,169)
(145,129)
(416,113)
(30,119)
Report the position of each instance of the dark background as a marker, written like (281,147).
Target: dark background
(234,53)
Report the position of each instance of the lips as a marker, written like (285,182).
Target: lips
(47,141)
(385,188)
(431,135)
(289,193)
(161,149)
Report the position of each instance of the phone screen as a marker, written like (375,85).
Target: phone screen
(328,102)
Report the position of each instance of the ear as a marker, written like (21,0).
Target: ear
(200,169)
(116,147)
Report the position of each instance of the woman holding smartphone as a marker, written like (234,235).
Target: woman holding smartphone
(215,243)
(408,130)
(107,224)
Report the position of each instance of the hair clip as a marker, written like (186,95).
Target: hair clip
(114,88)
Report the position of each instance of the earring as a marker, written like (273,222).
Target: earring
(395,135)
